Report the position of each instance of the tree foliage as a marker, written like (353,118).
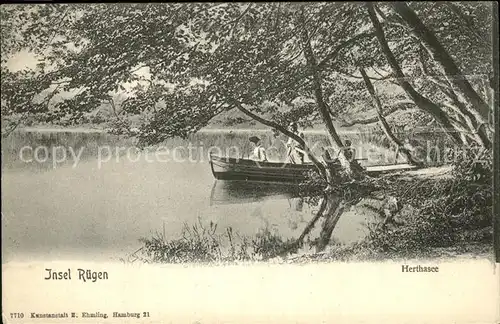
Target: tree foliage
(181,65)
(212,54)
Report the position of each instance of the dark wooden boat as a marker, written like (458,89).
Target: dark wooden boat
(227,168)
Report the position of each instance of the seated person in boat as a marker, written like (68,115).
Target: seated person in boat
(295,151)
(407,146)
(349,153)
(348,150)
(259,152)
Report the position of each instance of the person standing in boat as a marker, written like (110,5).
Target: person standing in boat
(295,151)
(259,152)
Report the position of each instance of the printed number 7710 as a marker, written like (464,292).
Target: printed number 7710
(16,315)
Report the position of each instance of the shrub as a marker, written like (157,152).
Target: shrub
(444,212)
(197,244)
(119,126)
(267,245)
(419,233)
(201,244)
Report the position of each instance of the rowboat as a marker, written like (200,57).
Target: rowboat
(228,168)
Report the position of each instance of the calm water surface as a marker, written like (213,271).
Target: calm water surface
(95,213)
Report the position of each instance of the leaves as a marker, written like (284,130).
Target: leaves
(212,52)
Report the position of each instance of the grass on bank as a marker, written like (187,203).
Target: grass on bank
(203,243)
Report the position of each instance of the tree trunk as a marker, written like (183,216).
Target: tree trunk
(334,205)
(113,107)
(464,139)
(322,107)
(331,208)
(383,121)
(334,208)
(439,53)
(421,101)
(475,126)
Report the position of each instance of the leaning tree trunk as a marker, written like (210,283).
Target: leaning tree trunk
(322,107)
(334,205)
(475,126)
(422,102)
(385,126)
(330,209)
(439,53)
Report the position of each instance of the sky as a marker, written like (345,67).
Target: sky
(22,60)
(27,60)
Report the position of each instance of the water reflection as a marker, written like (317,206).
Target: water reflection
(294,209)
(238,192)
(289,209)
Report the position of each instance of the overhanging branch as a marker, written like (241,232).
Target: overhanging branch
(441,56)
(422,102)
(374,119)
(319,165)
(333,54)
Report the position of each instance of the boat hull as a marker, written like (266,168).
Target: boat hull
(224,168)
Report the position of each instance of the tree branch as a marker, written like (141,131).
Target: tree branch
(458,106)
(468,23)
(113,107)
(370,120)
(382,78)
(333,54)
(321,168)
(14,125)
(441,55)
(317,88)
(422,102)
(385,125)
(236,21)
(53,35)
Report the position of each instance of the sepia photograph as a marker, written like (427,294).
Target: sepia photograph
(215,140)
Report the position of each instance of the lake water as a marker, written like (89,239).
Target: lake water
(100,213)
